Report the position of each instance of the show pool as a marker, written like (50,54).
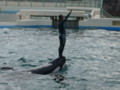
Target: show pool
(93,59)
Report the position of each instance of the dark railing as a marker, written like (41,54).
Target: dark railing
(51,3)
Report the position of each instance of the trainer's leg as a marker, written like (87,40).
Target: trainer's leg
(62,44)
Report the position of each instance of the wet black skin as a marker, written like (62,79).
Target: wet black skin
(59,62)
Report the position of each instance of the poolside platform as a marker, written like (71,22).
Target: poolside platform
(46,16)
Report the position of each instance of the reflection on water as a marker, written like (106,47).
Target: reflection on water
(93,59)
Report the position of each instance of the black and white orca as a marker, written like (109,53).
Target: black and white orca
(53,67)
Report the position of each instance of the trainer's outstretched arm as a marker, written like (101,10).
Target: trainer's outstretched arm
(67,15)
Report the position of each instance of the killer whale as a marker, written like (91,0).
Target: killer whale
(52,67)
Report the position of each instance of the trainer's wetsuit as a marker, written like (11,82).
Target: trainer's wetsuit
(62,35)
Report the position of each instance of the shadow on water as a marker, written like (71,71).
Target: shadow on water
(61,85)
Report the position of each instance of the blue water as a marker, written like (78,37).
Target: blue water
(93,59)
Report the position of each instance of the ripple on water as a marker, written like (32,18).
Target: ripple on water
(92,59)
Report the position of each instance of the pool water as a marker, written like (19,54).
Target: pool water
(93,59)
